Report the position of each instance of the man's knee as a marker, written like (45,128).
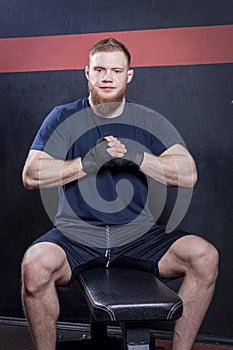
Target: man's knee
(36,269)
(204,261)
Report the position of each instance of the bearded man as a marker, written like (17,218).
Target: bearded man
(99,152)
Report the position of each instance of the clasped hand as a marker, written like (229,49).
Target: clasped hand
(110,150)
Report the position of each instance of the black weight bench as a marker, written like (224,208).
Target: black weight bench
(129,298)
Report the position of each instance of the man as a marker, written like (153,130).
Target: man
(84,149)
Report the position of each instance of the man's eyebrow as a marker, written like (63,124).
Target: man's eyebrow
(100,67)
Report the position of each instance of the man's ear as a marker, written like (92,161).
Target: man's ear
(87,72)
(130,75)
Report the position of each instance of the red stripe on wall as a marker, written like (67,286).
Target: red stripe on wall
(157,47)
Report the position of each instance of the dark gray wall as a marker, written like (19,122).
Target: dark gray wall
(196,99)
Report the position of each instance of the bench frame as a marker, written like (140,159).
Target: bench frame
(129,298)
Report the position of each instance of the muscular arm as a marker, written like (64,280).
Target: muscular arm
(42,170)
(174,167)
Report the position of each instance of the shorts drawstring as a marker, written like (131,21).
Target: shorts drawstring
(107,248)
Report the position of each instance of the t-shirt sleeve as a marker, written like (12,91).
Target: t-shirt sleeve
(164,136)
(52,137)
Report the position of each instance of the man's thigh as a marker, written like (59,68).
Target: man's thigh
(181,255)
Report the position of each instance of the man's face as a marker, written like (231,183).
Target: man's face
(108,76)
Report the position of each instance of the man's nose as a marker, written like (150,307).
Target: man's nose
(107,76)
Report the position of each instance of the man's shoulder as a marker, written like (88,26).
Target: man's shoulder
(145,117)
(72,107)
(62,112)
(143,110)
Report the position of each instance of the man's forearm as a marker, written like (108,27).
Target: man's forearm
(48,173)
(170,169)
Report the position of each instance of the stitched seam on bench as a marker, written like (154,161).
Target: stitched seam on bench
(173,310)
(104,308)
(109,311)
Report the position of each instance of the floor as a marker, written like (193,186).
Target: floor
(18,338)
(166,345)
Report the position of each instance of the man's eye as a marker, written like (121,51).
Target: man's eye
(117,71)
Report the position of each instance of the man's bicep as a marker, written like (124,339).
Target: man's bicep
(35,155)
(183,159)
(33,160)
(176,149)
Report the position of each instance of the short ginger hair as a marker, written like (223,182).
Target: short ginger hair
(108,45)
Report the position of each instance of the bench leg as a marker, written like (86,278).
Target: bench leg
(135,338)
(98,329)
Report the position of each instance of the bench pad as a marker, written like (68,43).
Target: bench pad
(122,294)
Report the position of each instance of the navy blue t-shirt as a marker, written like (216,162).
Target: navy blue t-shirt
(118,195)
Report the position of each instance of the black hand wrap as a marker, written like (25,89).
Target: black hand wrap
(131,158)
(96,157)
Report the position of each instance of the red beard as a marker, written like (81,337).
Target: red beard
(106,106)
